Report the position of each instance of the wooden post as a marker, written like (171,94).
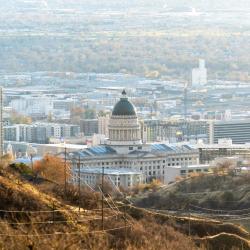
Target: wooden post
(53,213)
(125,222)
(32,167)
(189,221)
(102,197)
(79,183)
(65,171)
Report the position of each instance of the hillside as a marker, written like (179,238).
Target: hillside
(223,197)
(34,215)
(211,191)
(40,216)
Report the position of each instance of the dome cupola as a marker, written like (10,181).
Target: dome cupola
(124,128)
(124,106)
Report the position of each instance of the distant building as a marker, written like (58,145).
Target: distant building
(125,148)
(40,132)
(224,148)
(89,126)
(65,105)
(103,123)
(185,171)
(174,131)
(34,106)
(199,75)
(236,130)
(120,177)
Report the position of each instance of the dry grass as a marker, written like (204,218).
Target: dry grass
(18,194)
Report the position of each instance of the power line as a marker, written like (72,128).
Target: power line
(219,210)
(56,210)
(62,233)
(220,215)
(55,221)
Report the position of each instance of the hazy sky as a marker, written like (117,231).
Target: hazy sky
(203,4)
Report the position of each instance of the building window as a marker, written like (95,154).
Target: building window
(130,148)
(183,171)
(140,147)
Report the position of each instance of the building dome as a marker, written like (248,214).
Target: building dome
(124,127)
(124,106)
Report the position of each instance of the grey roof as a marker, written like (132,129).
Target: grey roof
(104,150)
(110,171)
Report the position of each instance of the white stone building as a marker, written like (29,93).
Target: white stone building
(115,177)
(103,124)
(125,149)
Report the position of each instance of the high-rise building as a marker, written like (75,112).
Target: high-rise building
(1,121)
(236,130)
(199,75)
(40,132)
(89,126)
(103,123)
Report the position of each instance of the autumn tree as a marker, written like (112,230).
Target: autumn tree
(17,118)
(52,168)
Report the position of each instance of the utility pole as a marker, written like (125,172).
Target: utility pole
(32,166)
(53,207)
(102,197)
(65,171)
(125,222)
(79,182)
(189,217)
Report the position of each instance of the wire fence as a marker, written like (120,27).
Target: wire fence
(66,233)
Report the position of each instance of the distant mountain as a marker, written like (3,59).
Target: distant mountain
(128,4)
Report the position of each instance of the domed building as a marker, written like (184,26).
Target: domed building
(124,127)
(125,152)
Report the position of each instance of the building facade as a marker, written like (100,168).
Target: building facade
(236,130)
(115,177)
(125,149)
(89,126)
(199,75)
(40,132)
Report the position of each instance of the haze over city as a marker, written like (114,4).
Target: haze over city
(124,124)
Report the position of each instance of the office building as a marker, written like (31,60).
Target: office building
(89,126)
(199,75)
(236,130)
